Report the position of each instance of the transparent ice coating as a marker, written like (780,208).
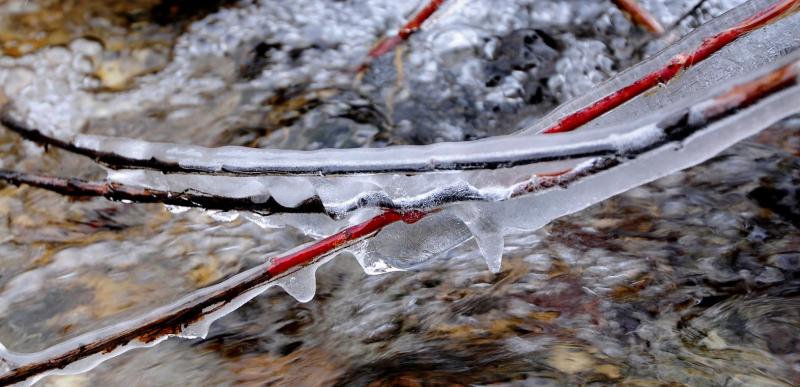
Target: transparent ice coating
(403,246)
(342,194)
(490,220)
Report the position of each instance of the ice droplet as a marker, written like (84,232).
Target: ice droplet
(291,191)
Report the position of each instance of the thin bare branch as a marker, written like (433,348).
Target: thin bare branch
(640,16)
(408,29)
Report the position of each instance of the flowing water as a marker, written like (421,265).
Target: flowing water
(691,280)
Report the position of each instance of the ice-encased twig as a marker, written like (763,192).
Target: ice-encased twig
(770,97)
(675,127)
(186,198)
(724,35)
(674,67)
(741,111)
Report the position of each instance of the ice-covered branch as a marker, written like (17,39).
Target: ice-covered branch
(613,148)
(186,198)
(490,153)
(733,39)
(675,66)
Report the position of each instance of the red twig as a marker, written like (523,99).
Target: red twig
(746,94)
(341,239)
(640,16)
(680,62)
(408,29)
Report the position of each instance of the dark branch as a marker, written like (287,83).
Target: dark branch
(189,198)
(408,29)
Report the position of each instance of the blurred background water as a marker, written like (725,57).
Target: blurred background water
(690,280)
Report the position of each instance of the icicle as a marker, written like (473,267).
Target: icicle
(290,192)
(6,364)
(198,330)
(487,233)
(404,246)
(491,243)
(302,284)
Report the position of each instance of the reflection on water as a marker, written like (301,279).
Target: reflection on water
(691,280)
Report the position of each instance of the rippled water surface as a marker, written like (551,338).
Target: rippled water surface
(691,280)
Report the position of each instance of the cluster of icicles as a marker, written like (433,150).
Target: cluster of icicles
(477,190)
